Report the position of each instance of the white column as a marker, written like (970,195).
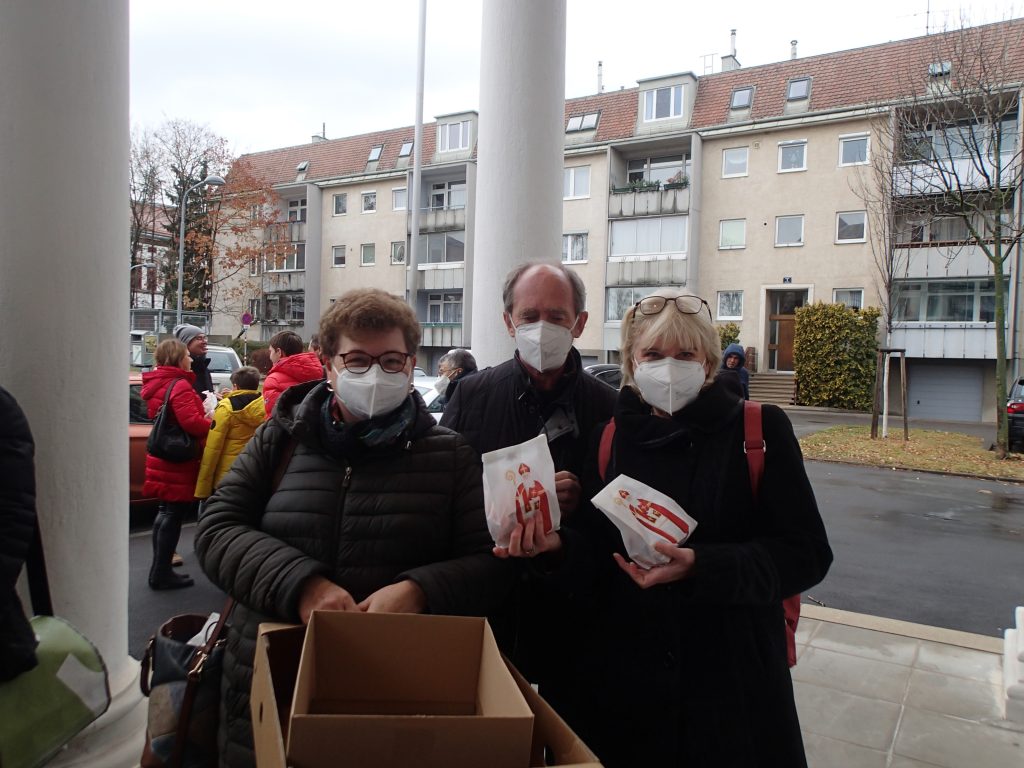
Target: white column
(520,156)
(64,315)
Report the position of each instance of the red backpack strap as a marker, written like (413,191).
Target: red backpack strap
(753,442)
(604,450)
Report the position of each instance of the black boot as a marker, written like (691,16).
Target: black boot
(166,530)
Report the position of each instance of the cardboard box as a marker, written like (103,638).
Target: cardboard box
(308,687)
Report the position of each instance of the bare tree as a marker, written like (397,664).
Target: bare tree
(146,169)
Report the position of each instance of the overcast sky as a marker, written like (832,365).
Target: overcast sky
(266,74)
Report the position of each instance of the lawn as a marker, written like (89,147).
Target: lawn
(927,450)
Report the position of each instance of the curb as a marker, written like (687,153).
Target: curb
(1014,480)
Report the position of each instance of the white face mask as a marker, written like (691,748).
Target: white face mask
(372,393)
(669,384)
(543,345)
(441,385)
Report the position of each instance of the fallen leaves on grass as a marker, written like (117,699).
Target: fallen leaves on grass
(927,450)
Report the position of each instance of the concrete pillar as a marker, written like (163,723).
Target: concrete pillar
(64,314)
(520,156)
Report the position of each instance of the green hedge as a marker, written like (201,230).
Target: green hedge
(835,350)
(729,334)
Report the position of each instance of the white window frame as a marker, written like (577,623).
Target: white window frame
(787,145)
(403,249)
(855,137)
(721,235)
(746,162)
(861,239)
(778,220)
(748,89)
(444,136)
(292,261)
(343,196)
(570,181)
(394,199)
(365,248)
(789,88)
(677,99)
(567,247)
(371,198)
(718,306)
(442,301)
(835,298)
(406,149)
(375,153)
(297,209)
(338,250)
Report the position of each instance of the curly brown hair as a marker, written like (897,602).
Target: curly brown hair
(367,311)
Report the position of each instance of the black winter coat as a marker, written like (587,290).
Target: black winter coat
(410,511)
(693,673)
(17,526)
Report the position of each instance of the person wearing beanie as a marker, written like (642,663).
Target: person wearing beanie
(195,340)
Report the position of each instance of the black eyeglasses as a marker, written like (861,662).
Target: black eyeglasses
(688,305)
(358,361)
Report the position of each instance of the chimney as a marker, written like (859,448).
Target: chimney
(792,49)
(730,62)
(600,83)
(316,138)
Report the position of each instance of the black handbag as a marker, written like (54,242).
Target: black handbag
(167,440)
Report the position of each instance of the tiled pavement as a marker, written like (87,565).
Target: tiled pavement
(877,693)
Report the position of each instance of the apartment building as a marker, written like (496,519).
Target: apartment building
(756,188)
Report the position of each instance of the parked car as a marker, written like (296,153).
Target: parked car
(425,386)
(223,362)
(139,426)
(1015,416)
(607,372)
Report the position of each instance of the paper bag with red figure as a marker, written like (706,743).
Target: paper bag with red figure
(644,517)
(519,483)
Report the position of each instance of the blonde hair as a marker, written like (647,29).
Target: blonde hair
(684,329)
(170,352)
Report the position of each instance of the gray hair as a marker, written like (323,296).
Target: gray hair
(579,291)
(459,358)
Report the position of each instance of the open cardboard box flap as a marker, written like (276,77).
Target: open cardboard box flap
(278,695)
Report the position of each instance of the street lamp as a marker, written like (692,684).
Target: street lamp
(213,181)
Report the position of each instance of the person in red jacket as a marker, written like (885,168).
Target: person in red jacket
(292,365)
(173,483)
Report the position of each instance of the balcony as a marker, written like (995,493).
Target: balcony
(663,269)
(448,335)
(277,282)
(287,231)
(954,341)
(657,202)
(933,177)
(440,220)
(936,260)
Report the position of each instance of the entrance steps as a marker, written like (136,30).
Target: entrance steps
(776,388)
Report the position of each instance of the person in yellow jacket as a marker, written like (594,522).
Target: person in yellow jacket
(235,420)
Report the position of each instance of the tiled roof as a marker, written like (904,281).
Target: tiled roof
(618,113)
(877,73)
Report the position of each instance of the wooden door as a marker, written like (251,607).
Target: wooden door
(783,346)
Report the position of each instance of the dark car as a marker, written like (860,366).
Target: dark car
(1015,416)
(607,372)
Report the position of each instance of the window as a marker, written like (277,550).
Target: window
(297,210)
(399,199)
(398,252)
(406,149)
(662,235)
(576,182)
(443,247)
(288,258)
(341,203)
(851,226)
(587,122)
(948,229)
(663,103)
(853,150)
(375,153)
(939,69)
(619,299)
(734,162)
(798,89)
(851,297)
(254,265)
(448,194)
(338,256)
(453,136)
(574,247)
(254,309)
(369,202)
(444,307)
(789,230)
(742,98)
(284,307)
(367,254)
(945,301)
(663,169)
(730,305)
(732,233)
(302,167)
(792,156)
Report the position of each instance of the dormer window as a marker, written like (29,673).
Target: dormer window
(453,136)
(406,149)
(939,69)
(742,98)
(663,103)
(798,89)
(375,153)
(302,167)
(587,122)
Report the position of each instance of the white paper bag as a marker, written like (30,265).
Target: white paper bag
(519,483)
(644,516)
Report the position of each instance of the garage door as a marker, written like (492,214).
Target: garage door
(944,392)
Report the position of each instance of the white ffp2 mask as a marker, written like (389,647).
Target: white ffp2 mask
(372,393)
(543,345)
(669,384)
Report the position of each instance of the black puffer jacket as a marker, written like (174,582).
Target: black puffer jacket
(412,511)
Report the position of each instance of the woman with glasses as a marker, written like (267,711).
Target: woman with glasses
(349,498)
(685,663)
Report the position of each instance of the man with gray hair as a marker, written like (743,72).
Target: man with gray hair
(453,367)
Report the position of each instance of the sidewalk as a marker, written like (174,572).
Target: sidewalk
(874,692)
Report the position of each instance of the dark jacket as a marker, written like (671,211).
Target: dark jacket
(704,658)
(741,373)
(412,510)
(168,480)
(17,526)
(449,391)
(204,379)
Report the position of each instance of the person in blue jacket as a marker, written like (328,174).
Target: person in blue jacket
(734,359)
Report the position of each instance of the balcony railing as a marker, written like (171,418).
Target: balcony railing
(956,341)
(442,335)
(656,202)
(287,231)
(440,220)
(923,260)
(934,177)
